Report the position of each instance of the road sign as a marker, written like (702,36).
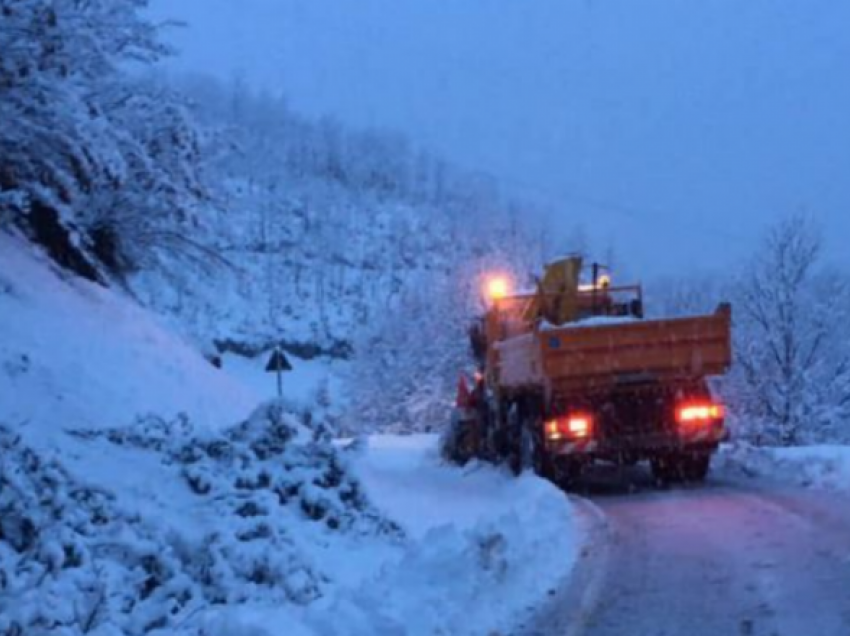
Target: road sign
(278,364)
(278,361)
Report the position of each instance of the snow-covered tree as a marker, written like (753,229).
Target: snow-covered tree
(791,383)
(104,165)
(406,365)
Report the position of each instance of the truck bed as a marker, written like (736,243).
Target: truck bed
(598,354)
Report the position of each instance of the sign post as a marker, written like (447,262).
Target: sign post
(278,364)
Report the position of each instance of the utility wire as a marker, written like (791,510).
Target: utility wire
(633,212)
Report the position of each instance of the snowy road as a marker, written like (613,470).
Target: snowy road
(727,559)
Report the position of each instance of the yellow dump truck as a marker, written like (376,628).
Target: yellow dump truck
(572,373)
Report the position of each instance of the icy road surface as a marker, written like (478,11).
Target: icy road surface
(732,558)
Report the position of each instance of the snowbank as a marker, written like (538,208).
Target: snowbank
(822,466)
(485,546)
(481,549)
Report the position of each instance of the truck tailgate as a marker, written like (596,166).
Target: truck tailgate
(579,356)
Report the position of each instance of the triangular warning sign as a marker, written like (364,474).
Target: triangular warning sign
(278,362)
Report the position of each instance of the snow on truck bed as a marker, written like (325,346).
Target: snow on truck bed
(476,547)
(593,321)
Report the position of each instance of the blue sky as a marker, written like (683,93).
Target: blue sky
(672,131)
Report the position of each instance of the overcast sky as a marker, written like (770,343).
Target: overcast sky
(672,130)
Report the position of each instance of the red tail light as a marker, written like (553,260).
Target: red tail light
(574,426)
(699,412)
(579,425)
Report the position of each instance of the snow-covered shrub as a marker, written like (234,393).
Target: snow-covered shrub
(270,457)
(286,465)
(817,466)
(404,369)
(74,561)
(71,562)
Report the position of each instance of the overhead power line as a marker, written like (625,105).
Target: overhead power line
(558,196)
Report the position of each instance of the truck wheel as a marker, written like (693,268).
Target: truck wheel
(514,439)
(526,450)
(662,469)
(695,467)
(533,453)
(685,467)
(453,444)
(566,472)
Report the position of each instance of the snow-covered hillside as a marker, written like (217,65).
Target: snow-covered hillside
(243,223)
(337,243)
(77,355)
(144,492)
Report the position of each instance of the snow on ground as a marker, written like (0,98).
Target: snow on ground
(482,548)
(73,354)
(486,546)
(476,548)
(824,466)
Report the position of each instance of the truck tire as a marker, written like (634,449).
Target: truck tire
(533,452)
(527,451)
(499,438)
(514,438)
(565,472)
(681,467)
(694,467)
(665,469)
(453,443)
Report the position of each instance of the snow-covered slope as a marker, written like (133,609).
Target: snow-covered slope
(76,355)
